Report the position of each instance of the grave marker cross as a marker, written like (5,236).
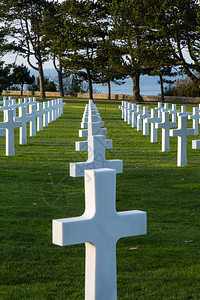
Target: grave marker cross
(165,125)
(100,227)
(182,132)
(10,125)
(96,146)
(154,119)
(195,117)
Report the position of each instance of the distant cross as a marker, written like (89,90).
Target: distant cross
(159,109)
(154,119)
(196,144)
(195,118)
(39,116)
(182,132)
(96,146)
(32,113)
(122,108)
(10,125)
(130,111)
(140,117)
(50,112)
(165,108)
(93,126)
(136,113)
(24,117)
(183,112)
(174,112)
(125,111)
(128,106)
(45,114)
(100,227)
(165,125)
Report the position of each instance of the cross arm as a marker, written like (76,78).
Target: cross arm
(71,231)
(131,223)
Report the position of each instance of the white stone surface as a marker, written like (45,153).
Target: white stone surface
(100,227)
(33,114)
(144,115)
(165,108)
(173,111)
(24,118)
(165,125)
(195,120)
(135,114)
(130,111)
(10,125)
(196,144)
(39,117)
(153,120)
(96,146)
(122,109)
(182,132)
(45,114)
(128,107)
(183,112)
(159,109)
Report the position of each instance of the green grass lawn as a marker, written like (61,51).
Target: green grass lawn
(35,188)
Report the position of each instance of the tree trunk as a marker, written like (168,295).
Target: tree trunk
(41,78)
(136,87)
(59,71)
(109,90)
(162,88)
(21,89)
(90,84)
(60,80)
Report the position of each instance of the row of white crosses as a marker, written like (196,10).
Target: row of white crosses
(101,226)
(39,115)
(160,118)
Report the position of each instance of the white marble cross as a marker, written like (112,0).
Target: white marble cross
(183,112)
(173,111)
(154,119)
(39,117)
(93,126)
(45,114)
(195,118)
(100,227)
(165,108)
(50,108)
(196,144)
(159,109)
(24,117)
(145,114)
(135,114)
(182,132)
(96,146)
(32,113)
(165,125)
(130,111)
(122,108)
(10,125)
(128,106)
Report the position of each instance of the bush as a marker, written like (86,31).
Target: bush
(184,87)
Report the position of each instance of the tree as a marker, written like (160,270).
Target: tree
(84,34)
(24,18)
(53,37)
(4,75)
(130,40)
(21,75)
(49,85)
(177,22)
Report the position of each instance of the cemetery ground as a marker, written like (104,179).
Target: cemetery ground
(35,188)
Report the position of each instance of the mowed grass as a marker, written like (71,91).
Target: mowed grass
(35,188)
